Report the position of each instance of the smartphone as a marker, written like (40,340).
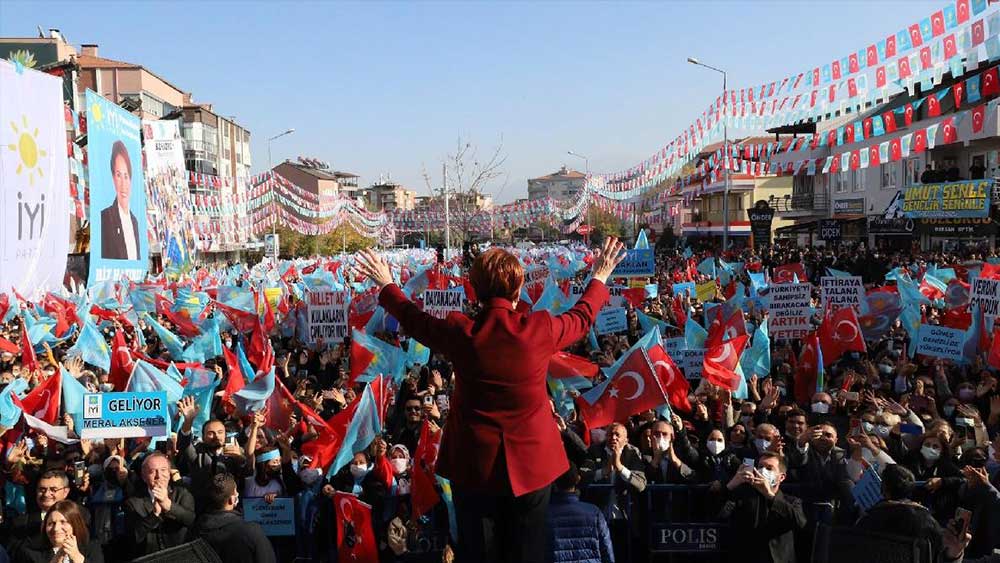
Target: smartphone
(231,439)
(428,400)
(963,518)
(855,427)
(79,467)
(443,402)
(965,422)
(748,463)
(851,396)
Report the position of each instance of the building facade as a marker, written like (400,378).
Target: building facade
(318,178)
(389,196)
(562,185)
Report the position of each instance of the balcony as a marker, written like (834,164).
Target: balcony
(799,204)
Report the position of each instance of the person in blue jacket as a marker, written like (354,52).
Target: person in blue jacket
(578,532)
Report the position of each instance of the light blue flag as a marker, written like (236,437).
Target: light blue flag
(561,398)
(553,299)
(760,351)
(449,502)
(389,360)
(838,273)
(646,323)
(652,290)
(909,292)
(416,354)
(206,345)
(363,428)
(525,298)
(758,282)
(72,398)
(201,385)
(171,341)
(174,373)
(417,283)
(910,319)
(726,273)
(9,412)
(143,300)
(38,329)
(694,335)
(254,395)
(742,392)
(641,241)
(146,377)
(944,275)
(249,373)
(687,252)
(12,311)
(91,347)
(707,267)
(647,341)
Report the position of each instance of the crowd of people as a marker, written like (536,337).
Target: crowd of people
(773,460)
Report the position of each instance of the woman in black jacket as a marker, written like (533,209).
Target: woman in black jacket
(717,466)
(66,538)
(932,463)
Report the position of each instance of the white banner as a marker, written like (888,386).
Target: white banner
(440,302)
(840,292)
(788,315)
(34,182)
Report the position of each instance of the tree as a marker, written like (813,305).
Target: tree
(294,244)
(466,176)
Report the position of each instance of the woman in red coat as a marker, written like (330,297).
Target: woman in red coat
(501,448)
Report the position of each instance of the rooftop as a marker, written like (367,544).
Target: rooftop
(320,173)
(562,174)
(91,61)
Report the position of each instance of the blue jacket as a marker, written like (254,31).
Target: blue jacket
(578,532)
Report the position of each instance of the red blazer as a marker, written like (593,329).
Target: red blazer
(500,436)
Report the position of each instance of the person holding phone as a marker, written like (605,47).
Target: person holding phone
(209,457)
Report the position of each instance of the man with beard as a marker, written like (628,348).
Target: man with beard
(210,457)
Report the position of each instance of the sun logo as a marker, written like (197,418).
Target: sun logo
(27,149)
(95,112)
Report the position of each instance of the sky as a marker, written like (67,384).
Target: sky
(389,88)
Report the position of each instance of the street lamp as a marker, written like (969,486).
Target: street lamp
(590,217)
(274,225)
(725,154)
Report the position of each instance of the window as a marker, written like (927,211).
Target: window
(859,179)
(913,172)
(841,181)
(890,175)
(803,185)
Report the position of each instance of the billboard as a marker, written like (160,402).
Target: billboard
(119,245)
(170,216)
(965,198)
(34,182)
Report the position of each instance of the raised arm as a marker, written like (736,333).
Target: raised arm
(572,325)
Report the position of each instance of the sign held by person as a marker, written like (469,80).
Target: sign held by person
(326,315)
(276,519)
(440,302)
(131,414)
(840,292)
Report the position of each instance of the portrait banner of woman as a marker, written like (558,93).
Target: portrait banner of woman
(119,243)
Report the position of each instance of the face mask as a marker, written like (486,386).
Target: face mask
(867,427)
(762,444)
(883,430)
(399,465)
(359,471)
(966,394)
(930,454)
(820,408)
(885,369)
(771,476)
(106,387)
(663,444)
(715,447)
(948,410)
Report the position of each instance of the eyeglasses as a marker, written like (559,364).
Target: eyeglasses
(53,490)
(413,409)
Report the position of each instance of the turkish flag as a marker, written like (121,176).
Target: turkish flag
(855,159)
(958,89)
(729,328)
(950,48)
(880,77)
(672,381)
(904,67)
(961,11)
(849,133)
(890,46)
(925,58)
(788,272)
(978,118)
(423,494)
(835,70)
(816,76)
(916,38)
(633,389)
(360,358)
(949,133)
(908,114)
(181,320)
(243,321)
(355,536)
(28,359)
(840,333)
(937,23)
(919,140)
(895,150)
(866,127)
(959,318)
(121,362)
(8,346)
(831,137)
(994,358)
(978,33)
(833,92)
(635,295)
(991,83)
(873,157)
(872,54)
(564,364)
(680,315)
(721,359)
(889,119)
(806,370)
(43,401)
(852,63)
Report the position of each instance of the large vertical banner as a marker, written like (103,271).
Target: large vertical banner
(119,246)
(171,214)
(34,181)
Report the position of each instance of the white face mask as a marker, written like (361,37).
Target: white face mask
(399,465)
(882,430)
(771,476)
(663,444)
(715,447)
(930,454)
(867,427)
(359,471)
(820,408)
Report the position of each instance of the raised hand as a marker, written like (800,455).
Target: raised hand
(374,267)
(607,258)
(188,408)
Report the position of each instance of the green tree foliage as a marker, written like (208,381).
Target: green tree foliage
(295,245)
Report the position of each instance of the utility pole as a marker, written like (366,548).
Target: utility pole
(447,214)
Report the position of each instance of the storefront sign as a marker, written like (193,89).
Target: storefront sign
(761,215)
(854,206)
(882,225)
(967,198)
(967,226)
(830,230)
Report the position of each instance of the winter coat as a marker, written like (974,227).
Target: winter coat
(578,532)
